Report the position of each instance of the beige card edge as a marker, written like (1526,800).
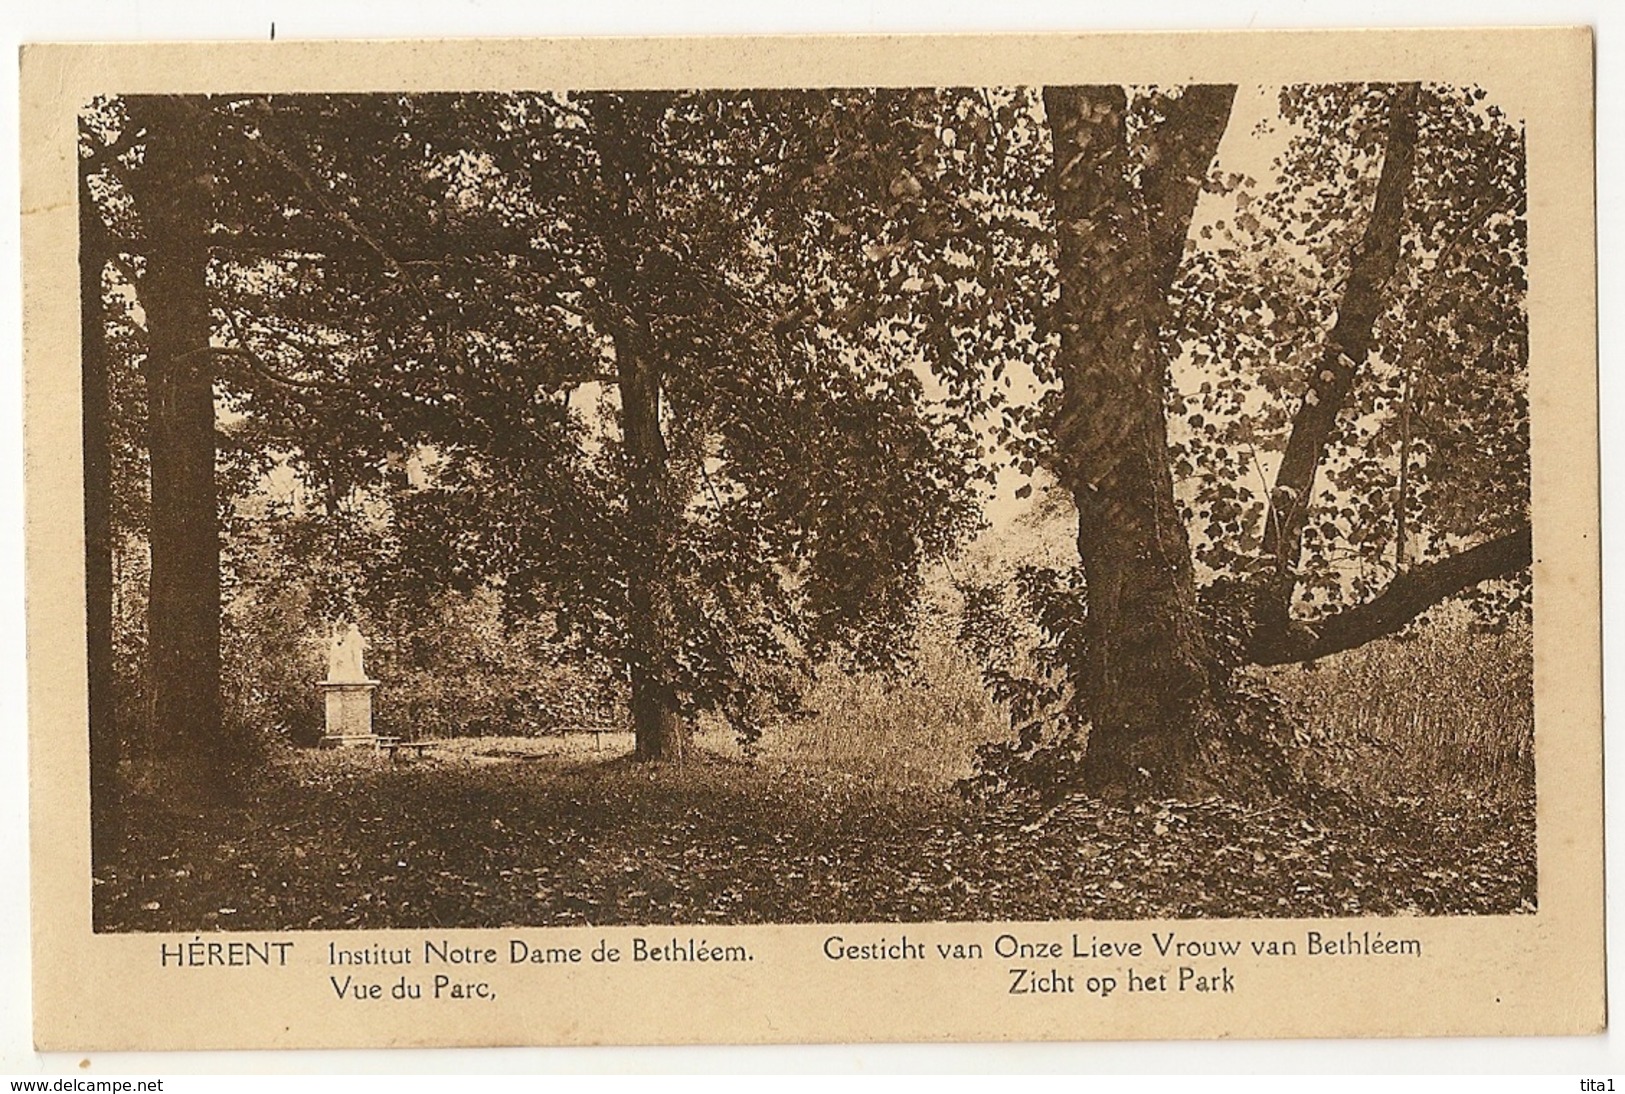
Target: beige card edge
(1553,959)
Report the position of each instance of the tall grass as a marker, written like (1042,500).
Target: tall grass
(1446,708)
(1444,711)
(914,731)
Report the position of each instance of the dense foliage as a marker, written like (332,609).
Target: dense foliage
(1432,450)
(674,399)
(1345,353)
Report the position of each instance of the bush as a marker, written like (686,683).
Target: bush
(462,671)
(453,670)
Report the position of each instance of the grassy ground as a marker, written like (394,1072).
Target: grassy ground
(851,817)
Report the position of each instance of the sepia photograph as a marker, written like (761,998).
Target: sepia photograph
(807,505)
(878,528)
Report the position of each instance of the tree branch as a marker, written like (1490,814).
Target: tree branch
(331,204)
(257,365)
(1143,245)
(1349,344)
(1406,597)
(1180,150)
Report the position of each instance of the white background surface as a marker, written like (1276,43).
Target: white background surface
(133,20)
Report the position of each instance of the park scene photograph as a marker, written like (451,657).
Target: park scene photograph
(772,506)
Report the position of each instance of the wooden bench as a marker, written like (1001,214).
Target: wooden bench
(395,747)
(351,740)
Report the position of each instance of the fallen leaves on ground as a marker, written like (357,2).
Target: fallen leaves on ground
(487,839)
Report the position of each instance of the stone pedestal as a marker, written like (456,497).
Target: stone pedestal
(349,712)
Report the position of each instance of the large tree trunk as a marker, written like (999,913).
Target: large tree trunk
(624,125)
(106,813)
(1145,684)
(183,609)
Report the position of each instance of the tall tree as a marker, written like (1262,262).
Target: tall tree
(758,483)
(173,191)
(1154,658)
(1146,680)
(623,129)
(565,303)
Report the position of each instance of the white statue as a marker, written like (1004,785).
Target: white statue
(344,657)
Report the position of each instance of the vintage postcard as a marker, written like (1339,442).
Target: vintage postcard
(813,539)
